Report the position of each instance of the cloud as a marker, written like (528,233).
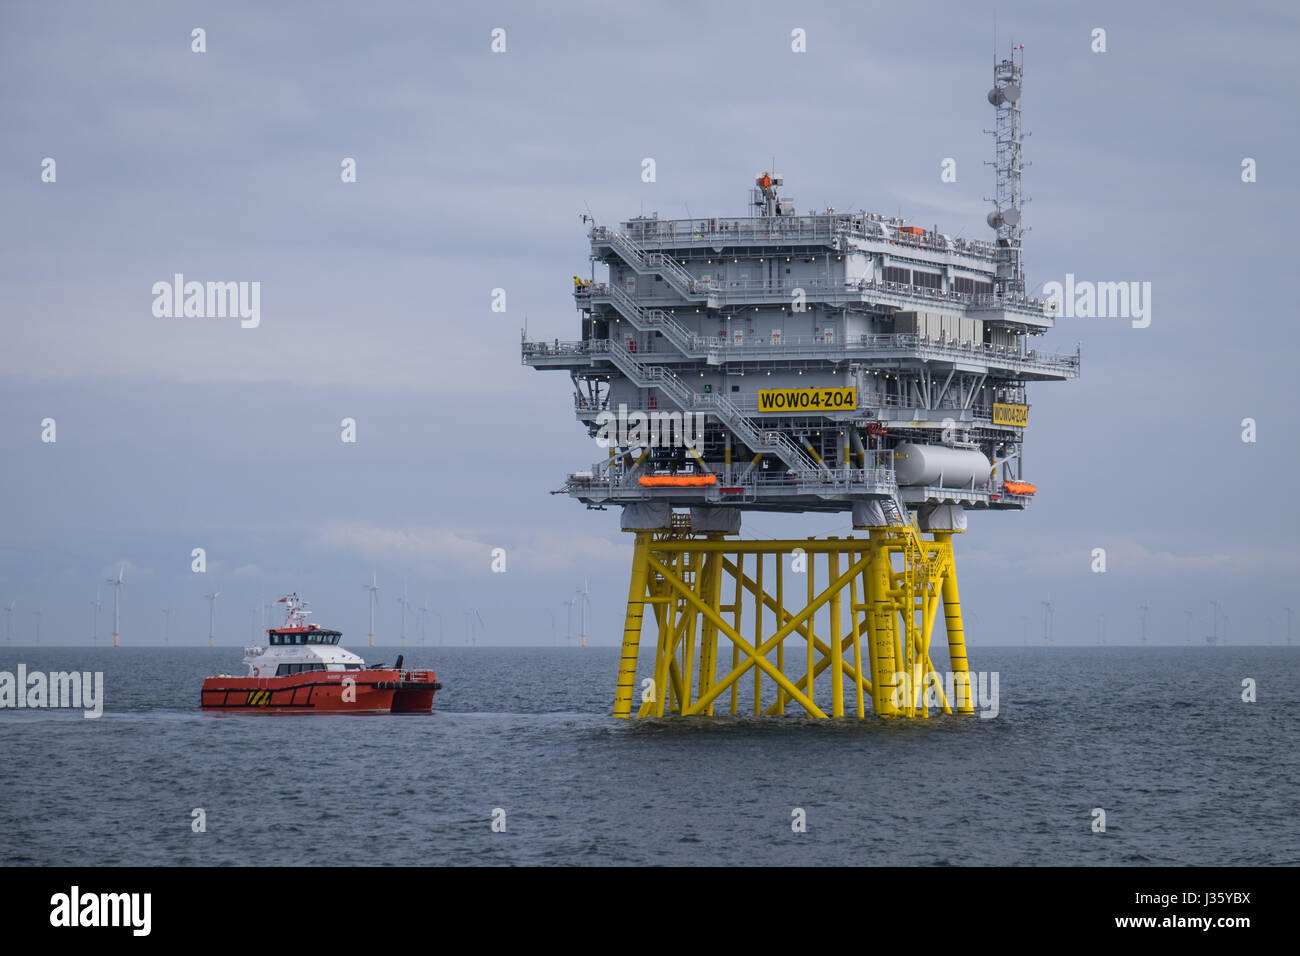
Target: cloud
(1127,555)
(446,550)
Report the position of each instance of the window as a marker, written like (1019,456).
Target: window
(970,286)
(895,274)
(927,280)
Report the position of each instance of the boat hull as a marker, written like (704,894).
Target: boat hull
(370,691)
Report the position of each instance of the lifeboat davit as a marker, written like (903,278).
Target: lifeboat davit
(302,670)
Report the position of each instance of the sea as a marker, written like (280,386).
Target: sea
(1096,756)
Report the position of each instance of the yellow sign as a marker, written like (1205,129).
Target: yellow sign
(1010,414)
(807,399)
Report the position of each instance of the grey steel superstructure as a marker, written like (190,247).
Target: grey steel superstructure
(716,316)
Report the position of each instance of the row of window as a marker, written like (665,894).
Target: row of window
(298,668)
(972,286)
(934,280)
(310,637)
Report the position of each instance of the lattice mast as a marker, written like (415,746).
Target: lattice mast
(1008,164)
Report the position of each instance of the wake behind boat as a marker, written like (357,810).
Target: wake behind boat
(302,669)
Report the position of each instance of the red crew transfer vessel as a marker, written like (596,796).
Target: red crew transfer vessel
(303,670)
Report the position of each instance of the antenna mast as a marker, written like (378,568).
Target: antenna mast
(1008,164)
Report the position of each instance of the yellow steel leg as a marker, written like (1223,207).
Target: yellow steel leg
(837,639)
(636,594)
(953,623)
(881,629)
(758,627)
(811,572)
(854,607)
(739,576)
(780,647)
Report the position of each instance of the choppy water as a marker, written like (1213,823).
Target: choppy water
(1158,737)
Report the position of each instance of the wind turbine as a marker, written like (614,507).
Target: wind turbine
(1144,608)
(94,632)
(584,597)
(470,616)
(568,632)
(1048,608)
(167,620)
(117,590)
(212,617)
(9,621)
(424,613)
(373,588)
(405,604)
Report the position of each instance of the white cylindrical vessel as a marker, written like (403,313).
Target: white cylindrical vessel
(940,466)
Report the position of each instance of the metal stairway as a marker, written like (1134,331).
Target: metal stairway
(657,320)
(642,260)
(745,428)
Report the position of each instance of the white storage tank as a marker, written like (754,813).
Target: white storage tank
(940,466)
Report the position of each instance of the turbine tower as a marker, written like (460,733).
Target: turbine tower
(568,625)
(405,604)
(373,588)
(9,621)
(117,590)
(584,598)
(167,620)
(212,617)
(94,624)
(424,614)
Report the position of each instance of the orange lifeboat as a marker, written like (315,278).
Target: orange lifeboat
(677,481)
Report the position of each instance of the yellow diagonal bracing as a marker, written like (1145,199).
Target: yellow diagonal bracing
(892,609)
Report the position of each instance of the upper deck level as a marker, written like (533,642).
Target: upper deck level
(831,229)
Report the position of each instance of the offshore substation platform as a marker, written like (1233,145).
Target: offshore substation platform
(828,362)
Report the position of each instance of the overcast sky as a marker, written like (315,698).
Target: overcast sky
(472,170)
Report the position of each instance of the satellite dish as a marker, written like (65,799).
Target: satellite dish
(1004,94)
(1003,217)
